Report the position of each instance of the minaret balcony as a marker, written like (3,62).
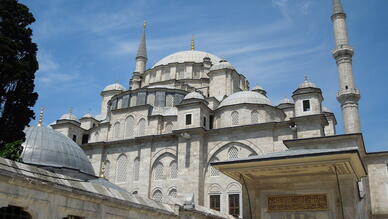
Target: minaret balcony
(345,95)
(343,51)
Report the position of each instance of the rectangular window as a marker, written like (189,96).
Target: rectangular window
(215,202)
(188,119)
(85,139)
(211,122)
(306,105)
(204,122)
(234,205)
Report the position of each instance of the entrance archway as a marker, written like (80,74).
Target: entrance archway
(14,212)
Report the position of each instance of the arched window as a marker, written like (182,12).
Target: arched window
(121,170)
(116,130)
(233,153)
(134,193)
(14,212)
(158,171)
(213,171)
(141,126)
(107,169)
(173,170)
(129,126)
(168,128)
(172,193)
(235,119)
(136,165)
(254,117)
(157,196)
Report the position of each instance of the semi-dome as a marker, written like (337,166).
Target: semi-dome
(49,148)
(245,97)
(187,56)
(69,116)
(223,64)
(115,86)
(194,95)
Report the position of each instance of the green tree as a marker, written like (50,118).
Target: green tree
(18,65)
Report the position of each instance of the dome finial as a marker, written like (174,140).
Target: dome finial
(145,24)
(306,78)
(192,43)
(40,121)
(71,110)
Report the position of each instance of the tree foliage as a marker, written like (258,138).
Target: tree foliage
(18,65)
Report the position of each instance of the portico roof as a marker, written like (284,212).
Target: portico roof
(344,161)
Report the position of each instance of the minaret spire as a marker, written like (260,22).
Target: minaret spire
(348,95)
(192,43)
(141,61)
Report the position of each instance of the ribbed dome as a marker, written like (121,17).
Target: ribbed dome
(222,65)
(49,148)
(194,95)
(115,86)
(245,97)
(69,116)
(187,56)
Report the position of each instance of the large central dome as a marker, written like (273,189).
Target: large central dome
(187,56)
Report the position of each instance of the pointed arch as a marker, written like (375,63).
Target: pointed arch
(129,127)
(213,171)
(235,118)
(157,195)
(254,117)
(116,130)
(136,169)
(232,153)
(172,193)
(141,125)
(168,128)
(158,171)
(121,168)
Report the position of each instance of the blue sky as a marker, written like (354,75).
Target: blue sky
(86,45)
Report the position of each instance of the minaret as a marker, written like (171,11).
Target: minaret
(141,60)
(348,95)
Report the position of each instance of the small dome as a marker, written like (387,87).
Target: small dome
(49,148)
(223,64)
(245,97)
(69,116)
(258,87)
(115,86)
(187,56)
(306,83)
(286,100)
(194,95)
(326,110)
(87,115)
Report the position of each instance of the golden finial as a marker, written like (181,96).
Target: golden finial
(40,121)
(192,43)
(145,24)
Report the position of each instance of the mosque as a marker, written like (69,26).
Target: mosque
(190,139)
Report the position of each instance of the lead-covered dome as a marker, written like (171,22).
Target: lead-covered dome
(187,56)
(245,97)
(223,64)
(115,86)
(69,116)
(49,148)
(194,95)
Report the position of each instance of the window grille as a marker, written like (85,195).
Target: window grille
(129,126)
(215,202)
(169,127)
(172,193)
(157,196)
(173,170)
(214,171)
(235,119)
(234,205)
(141,127)
(170,100)
(121,173)
(233,153)
(136,166)
(158,172)
(14,212)
(116,130)
(254,117)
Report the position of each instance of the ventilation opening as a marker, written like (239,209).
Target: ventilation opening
(306,105)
